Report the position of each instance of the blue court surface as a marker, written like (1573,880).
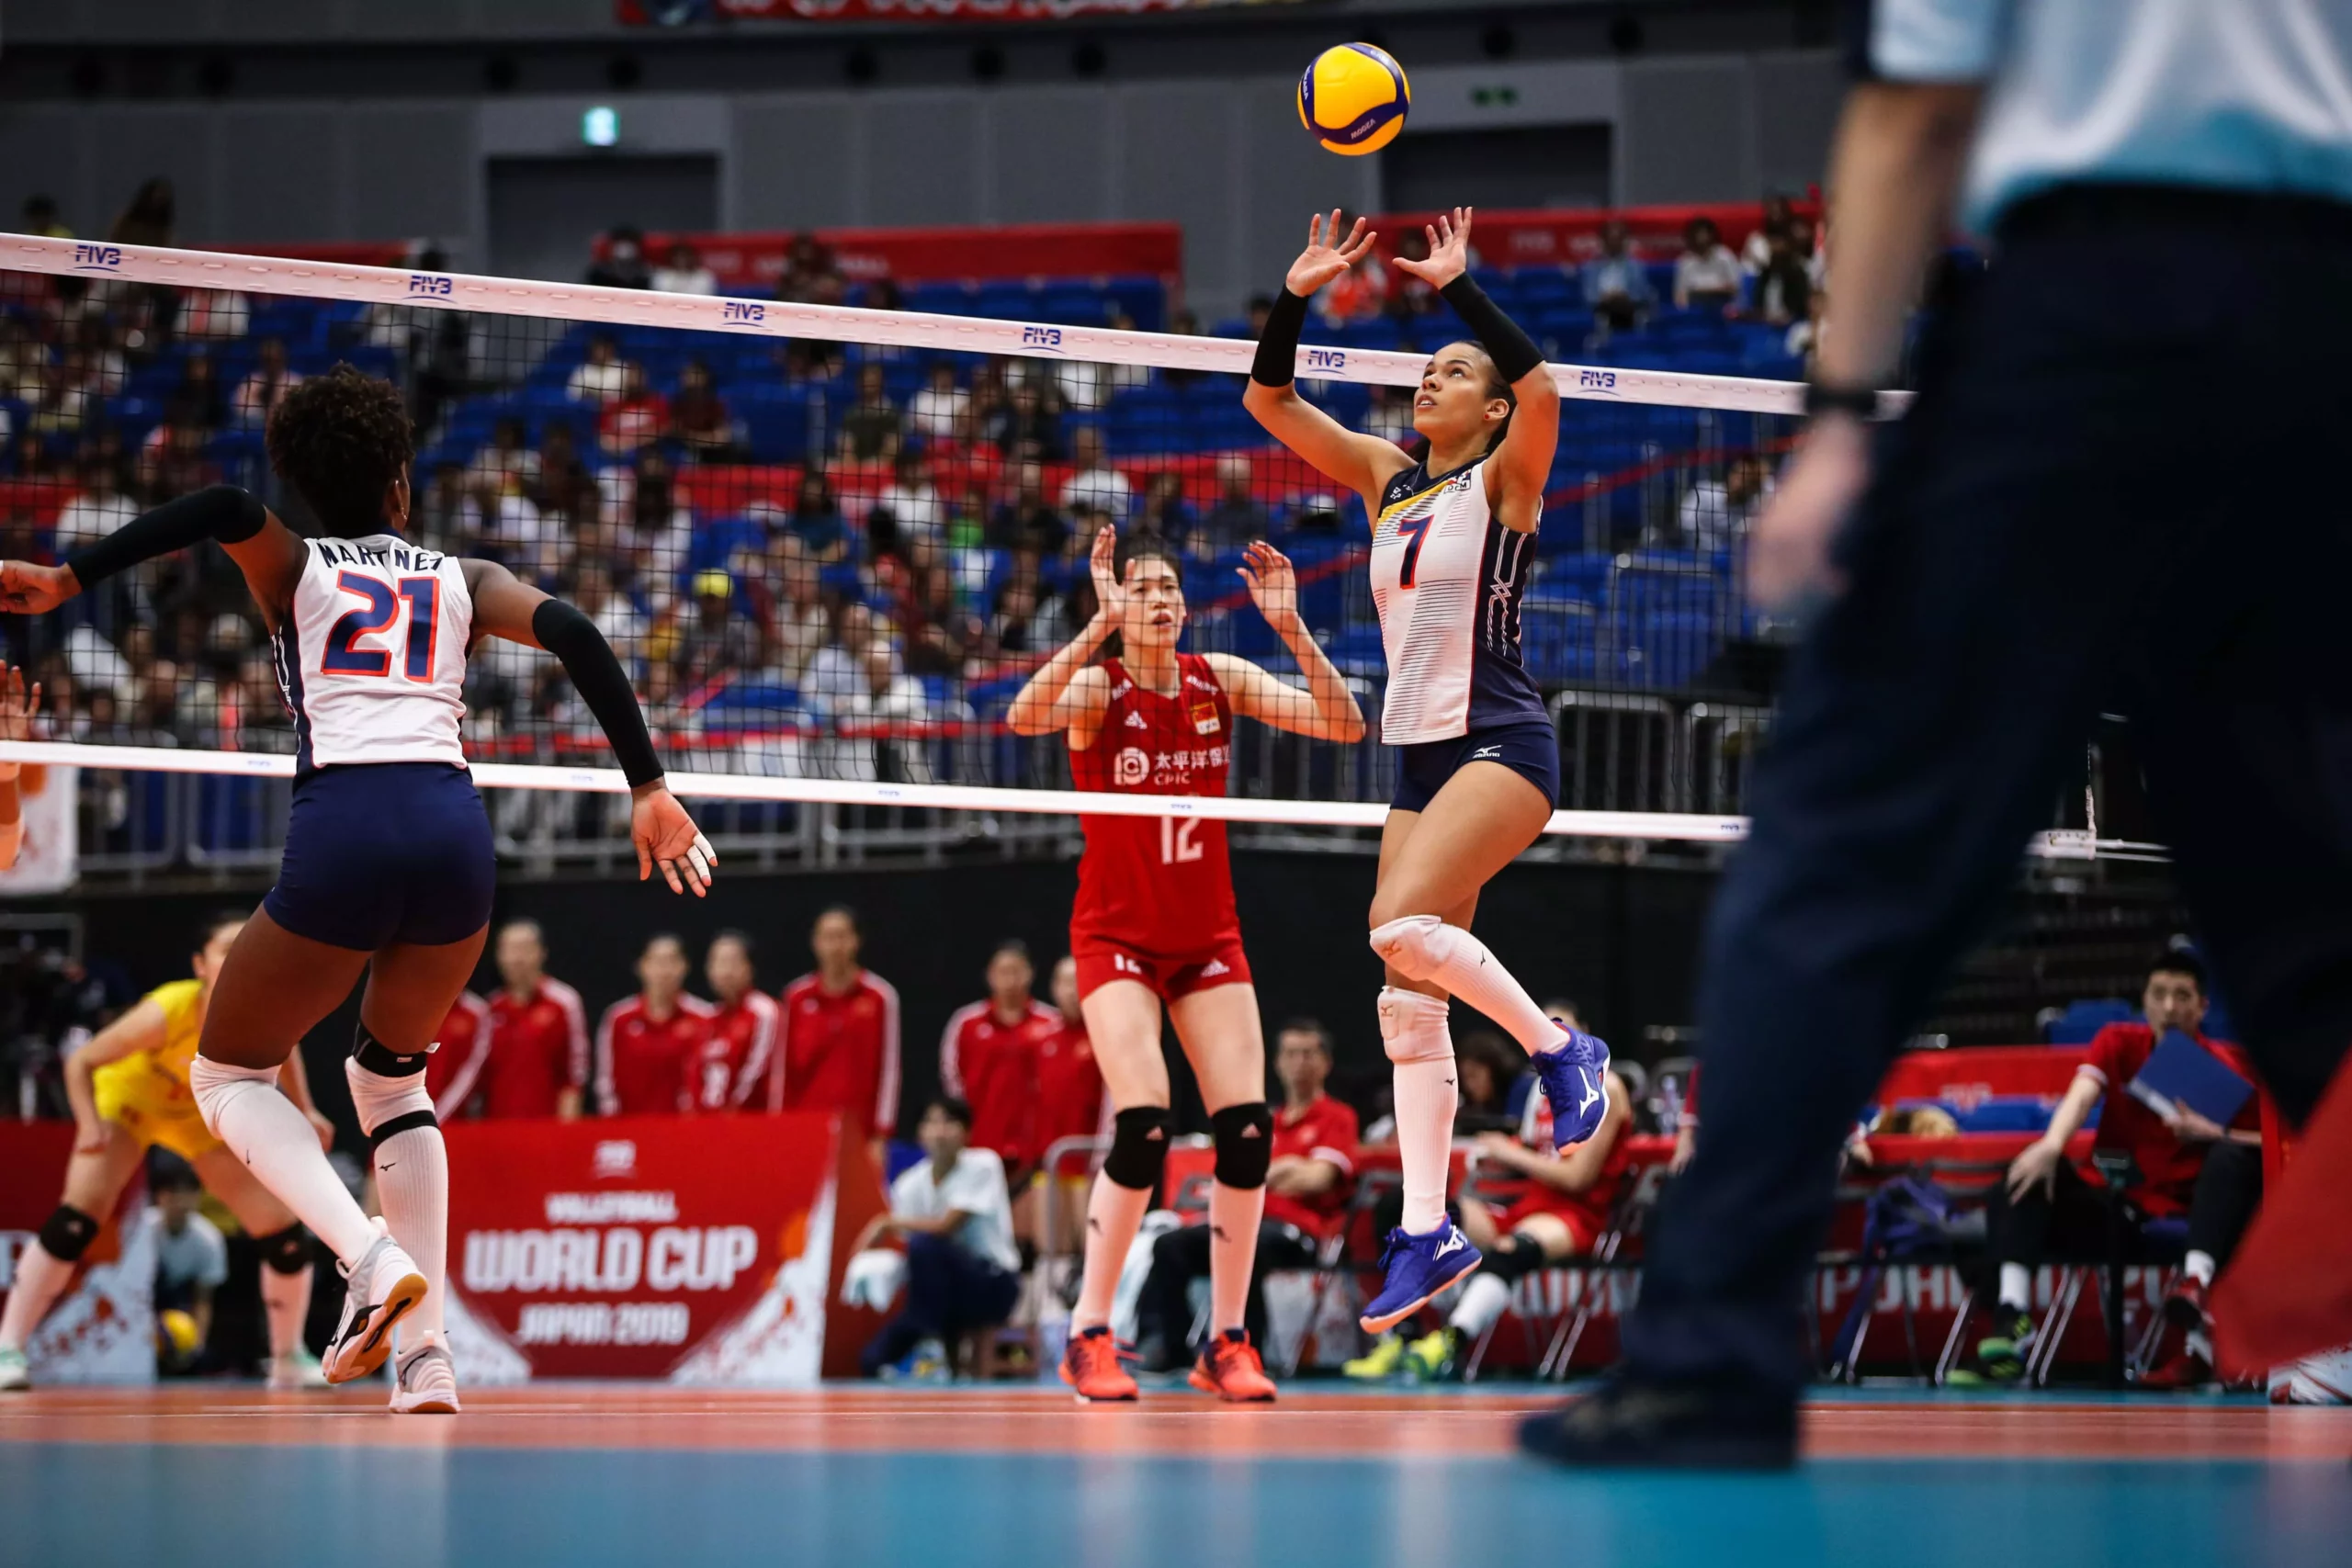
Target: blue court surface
(570,1475)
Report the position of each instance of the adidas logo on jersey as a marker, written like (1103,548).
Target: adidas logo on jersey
(1138,721)
(1215,967)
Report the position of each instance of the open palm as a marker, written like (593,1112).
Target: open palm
(1273,583)
(17,706)
(1321,262)
(1110,593)
(1448,256)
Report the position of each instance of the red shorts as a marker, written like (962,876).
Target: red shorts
(1541,1200)
(1103,959)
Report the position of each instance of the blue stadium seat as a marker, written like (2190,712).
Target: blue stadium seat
(2078,1020)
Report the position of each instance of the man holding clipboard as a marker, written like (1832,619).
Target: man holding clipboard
(2182,1106)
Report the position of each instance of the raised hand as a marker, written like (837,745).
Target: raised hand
(1103,562)
(29,589)
(1320,263)
(1448,256)
(1274,584)
(665,836)
(17,706)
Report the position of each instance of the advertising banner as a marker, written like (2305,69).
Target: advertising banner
(103,1328)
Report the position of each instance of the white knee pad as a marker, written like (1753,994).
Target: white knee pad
(1413,946)
(216,1084)
(379,1099)
(1413,1026)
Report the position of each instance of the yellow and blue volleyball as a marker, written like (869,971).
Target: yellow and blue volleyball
(1353,98)
(175,1333)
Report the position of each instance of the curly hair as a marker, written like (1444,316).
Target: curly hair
(340,440)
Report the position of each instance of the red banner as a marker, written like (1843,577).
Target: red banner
(698,1249)
(753,263)
(103,1328)
(1543,238)
(671,13)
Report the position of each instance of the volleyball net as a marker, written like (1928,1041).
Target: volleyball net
(831,541)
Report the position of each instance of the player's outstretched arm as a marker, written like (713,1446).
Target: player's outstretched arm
(141,1029)
(1362,463)
(1067,693)
(269,552)
(504,606)
(1326,710)
(17,710)
(1523,464)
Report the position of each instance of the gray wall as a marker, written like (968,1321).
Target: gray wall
(1225,158)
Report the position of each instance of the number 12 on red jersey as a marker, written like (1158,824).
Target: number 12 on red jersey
(1177,843)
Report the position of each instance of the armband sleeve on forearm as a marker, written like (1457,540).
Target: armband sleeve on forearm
(596,674)
(1513,351)
(1277,361)
(222,512)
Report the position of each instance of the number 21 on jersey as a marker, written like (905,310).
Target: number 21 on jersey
(1177,843)
(347,653)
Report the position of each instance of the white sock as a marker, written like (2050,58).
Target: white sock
(2017,1288)
(243,1108)
(41,1278)
(1484,1300)
(1114,1214)
(1422,947)
(2200,1345)
(1413,1028)
(1234,1213)
(285,1302)
(2199,1265)
(412,1180)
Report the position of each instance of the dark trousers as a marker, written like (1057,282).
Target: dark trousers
(2229,1189)
(2105,493)
(1182,1255)
(949,1291)
(2072,1219)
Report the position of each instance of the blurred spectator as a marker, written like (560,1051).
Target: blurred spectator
(191,1255)
(731,1063)
(963,1269)
(1389,414)
(1096,486)
(215,315)
(872,427)
(1717,514)
(684,272)
(636,419)
(810,275)
(461,1048)
(937,413)
(840,1045)
(1615,283)
(698,418)
(1407,296)
(40,217)
(646,1043)
(1184,323)
(603,375)
(1070,1105)
(1495,1084)
(797,625)
(1757,252)
(988,1055)
(1026,428)
(817,520)
(912,500)
(1237,517)
(197,399)
(939,634)
(623,266)
(1027,520)
(1165,510)
(1306,1190)
(612,612)
(1706,274)
(837,673)
(538,1063)
(173,463)
(1023,620)
(259,394)
(561,473)
(1784,286)
(148,220)
(1358,294)
(892,700)
(1804,337)
(506,455)
(715,641)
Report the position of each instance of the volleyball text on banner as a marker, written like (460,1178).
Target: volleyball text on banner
(103,1328)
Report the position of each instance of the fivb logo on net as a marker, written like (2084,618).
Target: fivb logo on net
(744,313)
(97,258)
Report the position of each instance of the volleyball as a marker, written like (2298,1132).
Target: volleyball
(1353,99)
(175,1333)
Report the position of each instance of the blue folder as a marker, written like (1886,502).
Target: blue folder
(2181,1072)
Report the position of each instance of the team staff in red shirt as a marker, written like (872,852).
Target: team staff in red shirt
(731,1063)
(2045,1196)
(1309,1171)
(646,1043)
(839,1049)
(989,1058)
(460,1048)
(1070,1105)
(538,1034)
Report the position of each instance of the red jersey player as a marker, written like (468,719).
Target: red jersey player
(646,1045)
(460,1048)
(731,1065)
(838,1048)
(1070,1105)
(1154,923)
(989,1058)
(538,1034)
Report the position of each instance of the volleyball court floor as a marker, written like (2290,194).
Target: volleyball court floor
(590,1474)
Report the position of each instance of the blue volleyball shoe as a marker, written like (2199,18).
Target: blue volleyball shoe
(1576,1080)
(1416,1268)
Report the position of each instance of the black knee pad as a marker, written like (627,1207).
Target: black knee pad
(286,1251)
(377,1058)
(401,1123)
(1244,1136)
(1138,1148)
(67,1234)
(1514,1260)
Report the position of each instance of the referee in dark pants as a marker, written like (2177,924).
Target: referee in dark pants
(2123,480)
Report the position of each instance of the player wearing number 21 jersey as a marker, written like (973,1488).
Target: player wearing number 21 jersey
(1154,925)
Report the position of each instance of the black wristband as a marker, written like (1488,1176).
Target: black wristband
(219,512)
(1277,361)
(597,676)
(1513,351)
(1820,398)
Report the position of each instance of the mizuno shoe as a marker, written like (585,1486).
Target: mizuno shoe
(1416,1268)
(1576,1080)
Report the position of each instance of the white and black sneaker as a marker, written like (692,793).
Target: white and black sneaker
(425,1380)
(383,1287)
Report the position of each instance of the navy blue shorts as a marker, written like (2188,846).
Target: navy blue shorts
(385,852)
(1530,749)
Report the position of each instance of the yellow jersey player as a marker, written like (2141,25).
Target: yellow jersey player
(129,1092)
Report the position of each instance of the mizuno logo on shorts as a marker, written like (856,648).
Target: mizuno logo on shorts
(1487,754)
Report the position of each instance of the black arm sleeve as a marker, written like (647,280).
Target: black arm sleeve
(588,659)
(222,512)
(1278,348)
(1514,352)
